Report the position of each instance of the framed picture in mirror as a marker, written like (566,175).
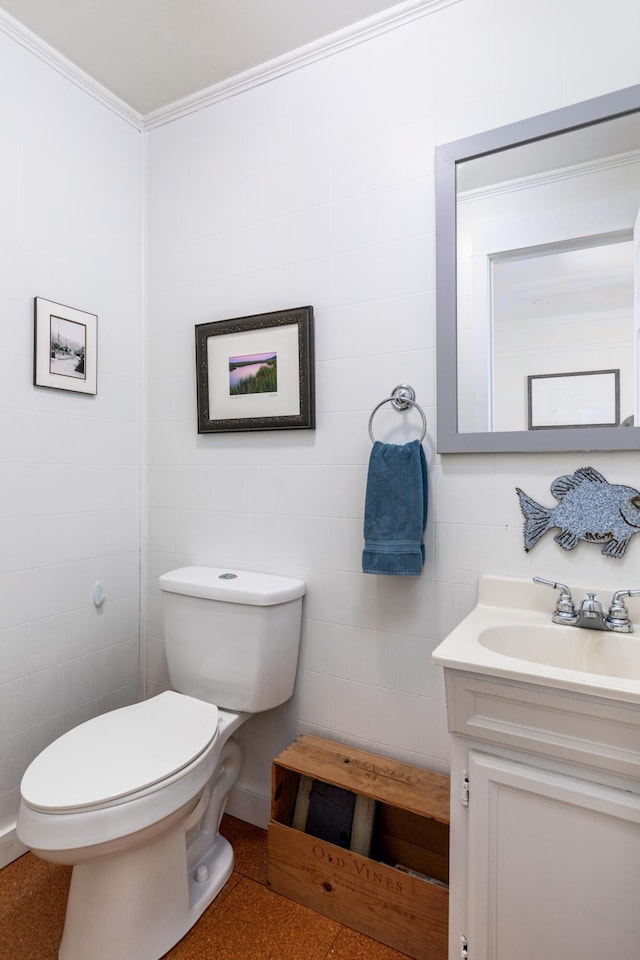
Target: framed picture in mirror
(582,398)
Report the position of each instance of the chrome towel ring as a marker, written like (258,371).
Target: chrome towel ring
(402,397)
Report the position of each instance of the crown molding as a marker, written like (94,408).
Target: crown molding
(58,62)
(360,32)
(397,16)
(586,167)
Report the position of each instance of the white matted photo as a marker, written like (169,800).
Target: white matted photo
(65,347)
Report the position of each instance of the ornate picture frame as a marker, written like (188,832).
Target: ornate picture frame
(256,372)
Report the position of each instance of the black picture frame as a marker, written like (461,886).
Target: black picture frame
(275,352)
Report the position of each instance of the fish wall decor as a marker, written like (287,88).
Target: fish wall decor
(589,509)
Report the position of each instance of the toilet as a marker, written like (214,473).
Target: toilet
(133,799)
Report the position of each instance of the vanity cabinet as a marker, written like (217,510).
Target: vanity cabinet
(545,822)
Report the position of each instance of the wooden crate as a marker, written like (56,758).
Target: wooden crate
(379,895)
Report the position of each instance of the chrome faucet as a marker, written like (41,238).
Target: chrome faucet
(591,614)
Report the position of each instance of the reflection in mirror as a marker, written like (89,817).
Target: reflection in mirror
(558,311)
(536,227)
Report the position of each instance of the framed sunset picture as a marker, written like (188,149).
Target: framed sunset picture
(256,372)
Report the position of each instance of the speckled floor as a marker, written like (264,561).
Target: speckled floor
(247,921)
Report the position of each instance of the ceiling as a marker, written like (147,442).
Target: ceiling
(151,53)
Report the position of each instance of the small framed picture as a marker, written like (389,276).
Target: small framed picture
(584,398)
(65,347)
(256,373)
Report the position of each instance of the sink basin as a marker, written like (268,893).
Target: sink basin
(510,635)
(571,648)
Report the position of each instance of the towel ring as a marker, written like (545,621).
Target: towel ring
(402,397)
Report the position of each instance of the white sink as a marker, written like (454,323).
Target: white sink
(572,648)
(510,634)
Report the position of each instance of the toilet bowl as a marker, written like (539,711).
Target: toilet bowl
(130,818)
(133,799)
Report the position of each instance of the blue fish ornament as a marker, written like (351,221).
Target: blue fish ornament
(589,509)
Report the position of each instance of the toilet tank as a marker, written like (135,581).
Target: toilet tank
(232,637)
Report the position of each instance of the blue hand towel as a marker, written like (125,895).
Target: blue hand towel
(395,510)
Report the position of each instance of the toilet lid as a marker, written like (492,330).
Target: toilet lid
(120,753)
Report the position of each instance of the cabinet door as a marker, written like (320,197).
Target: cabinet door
(554,865)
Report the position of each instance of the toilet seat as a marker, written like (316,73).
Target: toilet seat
(121,755)
(56,831)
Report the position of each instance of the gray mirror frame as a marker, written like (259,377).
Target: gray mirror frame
(447,156)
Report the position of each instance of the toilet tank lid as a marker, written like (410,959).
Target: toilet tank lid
(232,586)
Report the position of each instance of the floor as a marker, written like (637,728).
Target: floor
(247,921)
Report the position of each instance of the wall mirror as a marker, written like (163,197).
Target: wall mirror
(538,261)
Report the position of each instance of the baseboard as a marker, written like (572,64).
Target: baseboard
(10,847)
(249,807)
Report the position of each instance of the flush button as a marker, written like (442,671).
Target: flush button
(228,576)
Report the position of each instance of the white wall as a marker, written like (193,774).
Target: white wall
(318,188)
(70,231)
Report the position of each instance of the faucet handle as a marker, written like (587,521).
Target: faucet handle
(618,616)
(565,610)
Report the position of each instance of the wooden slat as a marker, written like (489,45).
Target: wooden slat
(284,791)
(415,842)
(421,859)
(423,792)
(362,829)
(301,809)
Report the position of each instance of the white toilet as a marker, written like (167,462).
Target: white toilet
(134,798)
